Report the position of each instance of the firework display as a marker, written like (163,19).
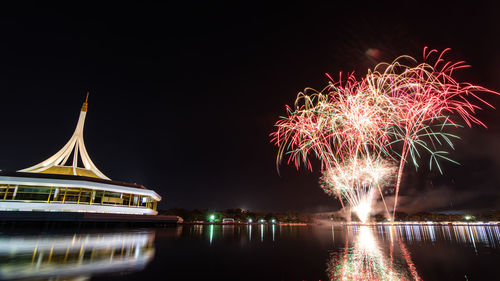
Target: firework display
(360,129)
(358,182)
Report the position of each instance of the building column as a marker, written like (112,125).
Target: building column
(64,197)
(6,192)
(50,193)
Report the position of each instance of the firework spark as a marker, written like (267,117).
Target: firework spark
(357,182)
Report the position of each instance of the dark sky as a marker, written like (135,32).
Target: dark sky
(184,96)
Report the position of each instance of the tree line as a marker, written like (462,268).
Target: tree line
(237,214)
(428,216)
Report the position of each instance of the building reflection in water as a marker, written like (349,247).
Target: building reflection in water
(73,257)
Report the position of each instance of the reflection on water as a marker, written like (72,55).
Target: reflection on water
(76,256)
(380,252)
(487,235)
(374,252)
(211,233)
(261,233)
(366,260)
(274,230)
(278,252)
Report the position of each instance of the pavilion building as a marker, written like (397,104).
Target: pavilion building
(59,184)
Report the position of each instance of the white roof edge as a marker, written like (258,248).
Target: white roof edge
(77,184)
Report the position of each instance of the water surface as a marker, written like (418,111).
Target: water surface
(254,252)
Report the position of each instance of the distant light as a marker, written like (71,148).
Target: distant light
(273,220)
(249,220)
(261,220)
(468,217)
(212,217)
(373,53)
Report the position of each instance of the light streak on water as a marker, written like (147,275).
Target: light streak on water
(261,233)
(472,238)
(274,230)
(250,232)
(432,234)
(470,234)
(333,235)
(211,233)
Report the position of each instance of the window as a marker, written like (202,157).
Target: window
(31,193)
(71,195)
(112,198)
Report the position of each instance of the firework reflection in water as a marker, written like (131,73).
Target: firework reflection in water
(365,260)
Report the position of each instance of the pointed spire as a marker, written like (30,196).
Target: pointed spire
(85,104)
(57,163)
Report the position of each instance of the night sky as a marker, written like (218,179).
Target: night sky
(183,97)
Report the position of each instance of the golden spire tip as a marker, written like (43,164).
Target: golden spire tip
(85,105)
